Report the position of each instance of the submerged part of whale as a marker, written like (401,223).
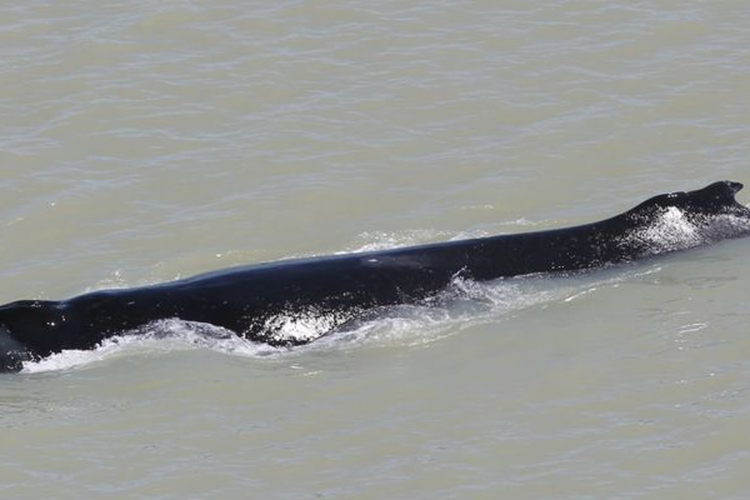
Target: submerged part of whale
(250,300)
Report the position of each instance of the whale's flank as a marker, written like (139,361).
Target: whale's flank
(247,300)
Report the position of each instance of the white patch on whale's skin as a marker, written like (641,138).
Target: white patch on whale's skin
(673,230)
(669,232)
(305,326)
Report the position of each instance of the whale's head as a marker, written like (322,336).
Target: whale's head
(12,352)
(30,329)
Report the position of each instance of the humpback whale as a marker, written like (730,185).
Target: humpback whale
(247,300)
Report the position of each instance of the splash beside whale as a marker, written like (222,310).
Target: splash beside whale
(249,300)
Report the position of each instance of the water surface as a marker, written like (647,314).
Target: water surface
(146,141)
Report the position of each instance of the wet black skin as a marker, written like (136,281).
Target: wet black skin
(246,299)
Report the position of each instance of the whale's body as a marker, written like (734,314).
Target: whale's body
(247,300)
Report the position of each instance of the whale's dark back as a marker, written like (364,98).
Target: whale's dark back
(247,299)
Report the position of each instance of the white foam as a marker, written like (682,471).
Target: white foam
(304,326)
(381,240)
(160,337)
(466,303)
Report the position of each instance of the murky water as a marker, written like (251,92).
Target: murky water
(145,141)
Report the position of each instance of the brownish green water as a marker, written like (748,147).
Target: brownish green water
(146,141)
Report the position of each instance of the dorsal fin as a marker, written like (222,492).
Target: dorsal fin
(720,193)
(713,199)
